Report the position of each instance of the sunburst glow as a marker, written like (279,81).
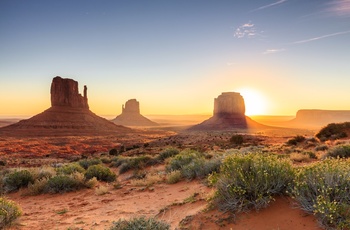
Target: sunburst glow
(255,102)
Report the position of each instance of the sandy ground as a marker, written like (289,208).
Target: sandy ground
(86,210)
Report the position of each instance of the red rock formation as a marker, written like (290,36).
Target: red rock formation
(229,113)
(131,115)
(69,114)
(65,92)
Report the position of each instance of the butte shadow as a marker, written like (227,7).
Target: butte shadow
(229,114)
(69,114)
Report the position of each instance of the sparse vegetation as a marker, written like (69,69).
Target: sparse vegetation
(173,177)
(86,163)
(333,131)
(71,168)
(249,181)
(140,223)
(101,173)
(296,140)
(237,139)
(9,212)
(323,190)
(63,183)
(340,151)
(17,179)
(167,153)
(193,164)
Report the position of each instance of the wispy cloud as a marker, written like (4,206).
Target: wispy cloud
(245,30)
(273,51)
(339,7)
(321,37)
(269,5)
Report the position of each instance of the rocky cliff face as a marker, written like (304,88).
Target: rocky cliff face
(65,92)
(316,118)
(131,115)
(131,106)
(69,114)
(229,113)
(229,103)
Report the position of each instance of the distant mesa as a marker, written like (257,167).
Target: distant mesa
(69,114)
(131,115)
(229,113)
(315,118)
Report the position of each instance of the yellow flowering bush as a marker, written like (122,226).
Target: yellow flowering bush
(323,189)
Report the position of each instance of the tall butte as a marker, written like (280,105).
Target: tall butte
(131,115)
(229,113)
(69,114)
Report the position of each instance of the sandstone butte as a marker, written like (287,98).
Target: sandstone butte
(131,115)
(229,113)
(69,114)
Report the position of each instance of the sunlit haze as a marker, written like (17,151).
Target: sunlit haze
(175,57)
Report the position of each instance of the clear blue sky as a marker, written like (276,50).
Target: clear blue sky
(176,56)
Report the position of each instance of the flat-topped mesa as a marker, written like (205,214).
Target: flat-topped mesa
(131,115)
(131,106)
(229,114)
(229,103)
(65,92)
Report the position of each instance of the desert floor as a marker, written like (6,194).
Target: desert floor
(184,205)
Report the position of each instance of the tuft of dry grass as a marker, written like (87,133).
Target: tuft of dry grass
(300,157)
(148,181)
(101,190)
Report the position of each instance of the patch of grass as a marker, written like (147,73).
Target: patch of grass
(71,168)
(9,212)
(101,173)
(173,177)
(323,190)
(249,181)
(340,151)
(140,223)
(17,179)
(333,131)
(167,153)
(299,157)
(61,212)
(86,163)
(101,190)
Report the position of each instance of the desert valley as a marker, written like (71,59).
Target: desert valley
(174,115)
(169,170)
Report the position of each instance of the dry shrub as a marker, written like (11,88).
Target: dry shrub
(149,180)
(173,177)
(9,212)
(299,157)
(101,190)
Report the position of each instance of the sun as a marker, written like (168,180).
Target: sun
(255,102)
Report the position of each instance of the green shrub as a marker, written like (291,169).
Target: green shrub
(295,140)
(106,160)
(140,223)
(333,131)
(62,184)
(183,158)
(9,212)
(323,189)
(101,173)
(249,181)
(70,169)
(127,163)
(86,163)
(341,151)
(17,179)
(237,139)
(173,177)
(200,168)
(167,153)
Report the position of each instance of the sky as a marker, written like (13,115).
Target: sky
(176,56)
